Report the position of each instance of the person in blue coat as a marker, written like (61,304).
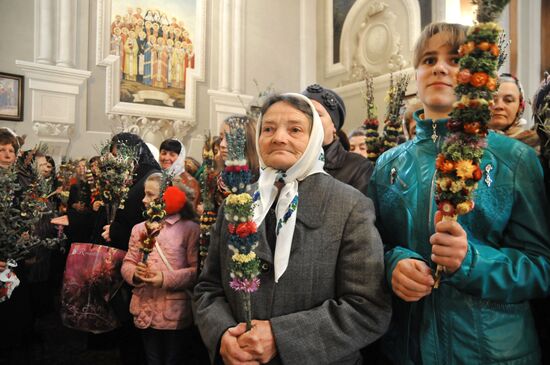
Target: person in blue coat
(496,257)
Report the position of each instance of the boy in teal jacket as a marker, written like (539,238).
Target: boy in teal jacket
(496,257)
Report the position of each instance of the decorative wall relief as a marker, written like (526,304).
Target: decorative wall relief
(152,130)
(378,45)
(377,36)
(153,52)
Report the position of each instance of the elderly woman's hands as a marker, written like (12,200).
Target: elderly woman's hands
(256,346)
(230,350)
(259,341)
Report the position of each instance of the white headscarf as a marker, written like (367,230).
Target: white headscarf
(311,162)
(154,150)
(178,167)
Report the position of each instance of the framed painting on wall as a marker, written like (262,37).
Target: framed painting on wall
(11,96)
(154,54)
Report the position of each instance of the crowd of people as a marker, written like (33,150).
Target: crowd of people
(347,249)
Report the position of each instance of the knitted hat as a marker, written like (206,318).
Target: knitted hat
(332,102)
(174,200)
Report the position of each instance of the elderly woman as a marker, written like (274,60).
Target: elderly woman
(507,111)
(345,166)
(322,295)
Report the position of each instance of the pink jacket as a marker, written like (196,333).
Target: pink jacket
(168,307)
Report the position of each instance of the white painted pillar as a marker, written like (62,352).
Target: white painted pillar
(529,53)
(308,45)
(66,44)
(46,32)
(225,46)
(237,56)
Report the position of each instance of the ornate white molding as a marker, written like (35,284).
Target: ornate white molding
(224,104)
(61,75)
(50,129)
(152,130)
(371,37)
(55,93)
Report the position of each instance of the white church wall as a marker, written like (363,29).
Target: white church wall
(273,45)
(17,29)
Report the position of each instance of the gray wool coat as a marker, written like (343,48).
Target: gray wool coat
(332,299)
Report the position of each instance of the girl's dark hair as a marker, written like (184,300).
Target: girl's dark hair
(344,140)
(170,145)
(187,212)
(94,159)
(51,162)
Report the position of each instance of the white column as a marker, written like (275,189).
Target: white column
(529,55)
(66,44)
(308,42)
(225,46)
(238,50)
(438,10)
(45,32)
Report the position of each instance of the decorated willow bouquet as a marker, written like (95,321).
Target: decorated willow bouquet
(208,183)
(154,214)
(370,125)
(395,101)
(116,173)
(18,221)
(243,236)
(458,164)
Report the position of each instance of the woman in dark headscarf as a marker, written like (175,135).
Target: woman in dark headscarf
(348,167)
(117,234)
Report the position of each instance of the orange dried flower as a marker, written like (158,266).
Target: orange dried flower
(484,46)
(495,51)
(464,76)
(465,169)
(443,164)
(479,79)
(466,48)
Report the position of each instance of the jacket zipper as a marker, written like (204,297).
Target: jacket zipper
(394,176)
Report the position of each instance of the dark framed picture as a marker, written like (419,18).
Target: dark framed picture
(11,96)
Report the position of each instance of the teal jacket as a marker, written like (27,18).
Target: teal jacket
(480,314)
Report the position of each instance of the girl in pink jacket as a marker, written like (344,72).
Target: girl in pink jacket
(161,300)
